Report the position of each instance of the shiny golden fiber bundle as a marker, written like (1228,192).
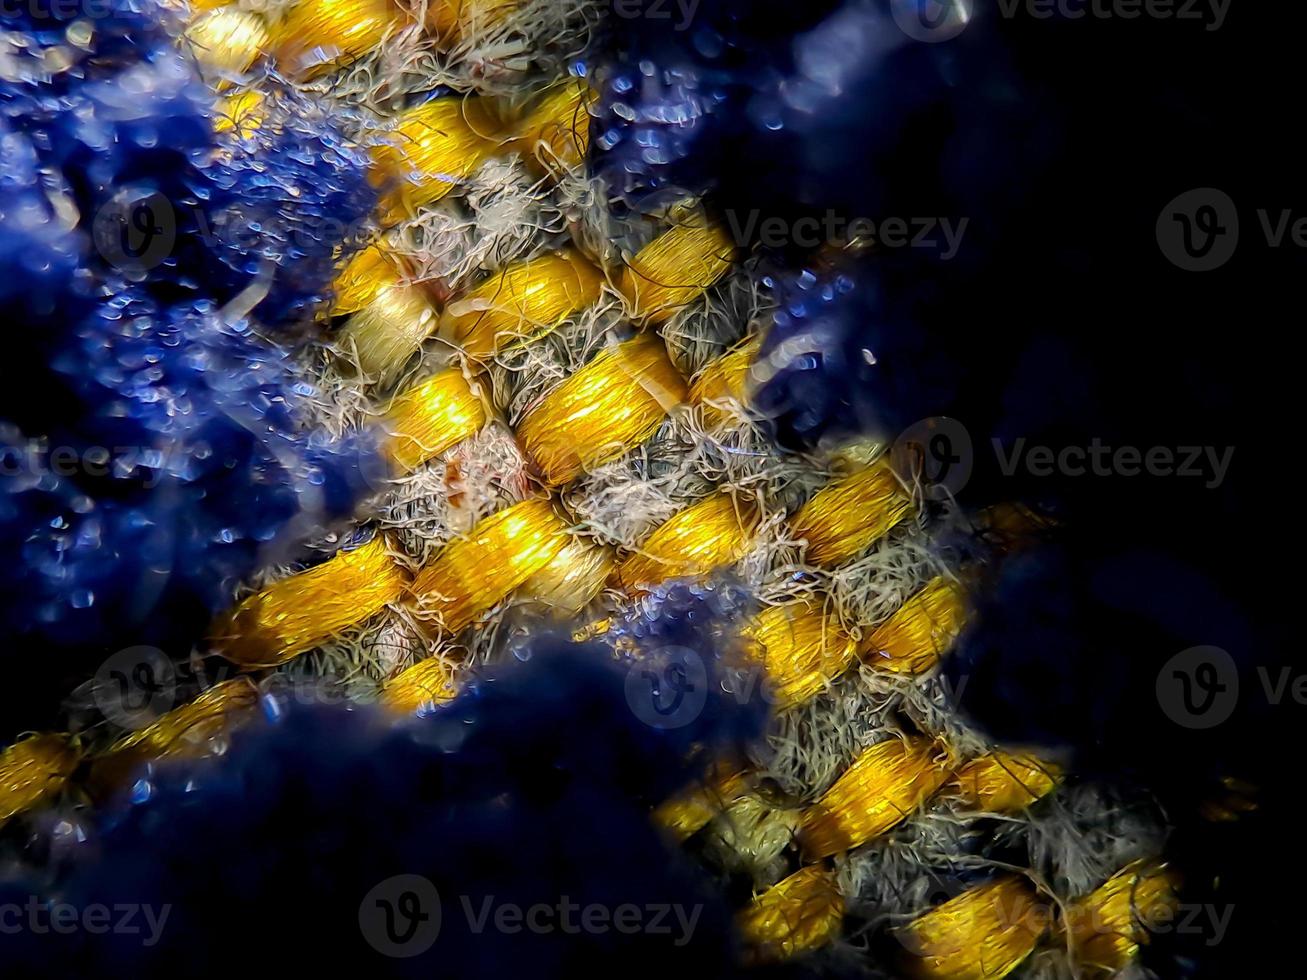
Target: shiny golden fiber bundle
(428,681)
(475,573)
(608,407)
(983,934)
(227,41)
(572,578)
(726,380)
(711,534)
(447,20)
(434,148)
(389,330)
(317,35)
(912,640)
(32,771)
(688,812)
(1005,782)
(845,518)
(556,131)
(675,269)
(240,114)
(801,649)
(882,788)
(432,417)
(800,913)
(371,271)
(1108,925)
(521,302)
(296,614)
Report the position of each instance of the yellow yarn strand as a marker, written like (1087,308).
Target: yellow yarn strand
(608,407)
(711,534)
(912,640)
(725,382)
(886,784)
(365,276)
(432,417)
(32,771)
(556,131)
(1004,782)
(675,269)
(572,579)
(318,35)
(801,649)
(227,41)
(1108,926)
(475,573)
(427,682)
(983,934)
(389,330)
(803,912)
(298,613)
(851,514)
(524,301)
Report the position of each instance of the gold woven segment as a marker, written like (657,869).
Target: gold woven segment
(32,771)
(801,648)
(227,41)
(435,147)
(689,811)
(432,417)
(883,787)
(365,276)
(1004,782)
(607,408)
(386,332)
(724,382)
(427,682)
(675,269)
(921,630)
(318,35)
(848,516)
(240,113)
(800,913)
(1108,926)
(448,20)
(711,534)
(555,134)
(296,614)
(476,572)
(522,302)
(983,934)
(572,578)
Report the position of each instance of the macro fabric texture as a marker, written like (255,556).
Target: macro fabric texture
(707,488)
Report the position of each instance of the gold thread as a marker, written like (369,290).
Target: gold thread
(725,382)
(882,788)
(227,41)
(800,913)
(432,417)
(845,518)
(801,649)
(607,408)
(983,934)
(912,640)
(32,771)
(1108,926)
(708,535)
(240,113)
(318,35)
(675,269)
(369,272)
(556,131)
(572,578)
(689,811)
(1004,782)
(296,614)
(436,146)
(389,330)
(450,20)
(427,682)
(522,302)
(476,572)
